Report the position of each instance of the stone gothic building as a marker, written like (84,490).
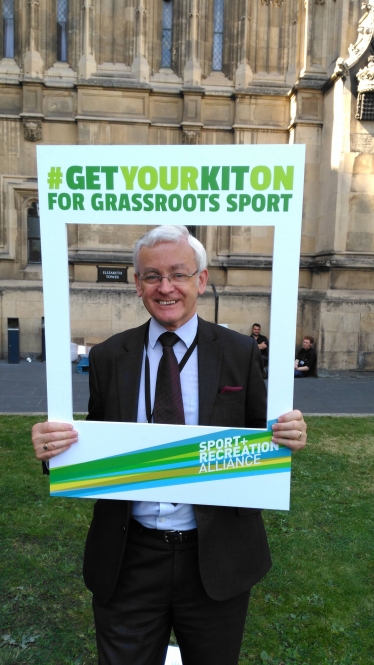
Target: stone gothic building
(197,72)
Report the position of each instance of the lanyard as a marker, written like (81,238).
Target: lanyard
(147,378)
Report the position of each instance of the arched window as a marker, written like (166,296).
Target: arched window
(62,18)
(167,32)
(217,36)
(34,252)
(8,28)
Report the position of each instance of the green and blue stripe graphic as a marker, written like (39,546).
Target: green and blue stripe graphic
(225,454)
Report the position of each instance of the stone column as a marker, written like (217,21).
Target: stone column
(244,74)
(295,20)
(191,123)
(87,63)
(192,70)
(33,64)
(277,45)
(32,111)
(315,40)
(140,66)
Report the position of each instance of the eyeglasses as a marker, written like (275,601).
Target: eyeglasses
(174,278)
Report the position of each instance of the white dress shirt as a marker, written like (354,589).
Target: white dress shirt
(165,516)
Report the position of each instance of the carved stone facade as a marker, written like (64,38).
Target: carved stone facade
(191,137)
(33,131)
(289,72)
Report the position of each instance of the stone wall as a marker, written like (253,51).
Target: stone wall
(342,325)
(343,329)
(288,75)
(98,311)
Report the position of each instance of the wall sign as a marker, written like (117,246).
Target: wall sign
(113,275)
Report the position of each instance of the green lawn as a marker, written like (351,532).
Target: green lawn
(315,607)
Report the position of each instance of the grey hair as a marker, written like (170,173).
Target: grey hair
(170,234)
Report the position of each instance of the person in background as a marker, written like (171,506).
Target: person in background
(263,345)
(306,359)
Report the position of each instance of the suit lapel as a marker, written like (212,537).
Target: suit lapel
(129,366)
(210,355)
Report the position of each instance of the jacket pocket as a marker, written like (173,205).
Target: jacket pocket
(238,395)
(229,410)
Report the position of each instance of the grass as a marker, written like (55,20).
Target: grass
(315,607)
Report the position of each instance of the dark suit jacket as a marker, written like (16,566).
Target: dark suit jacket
(233,549)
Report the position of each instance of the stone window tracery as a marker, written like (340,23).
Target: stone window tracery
(217,53)
(365,89)
(365,106)
(34,252)
(62,17)
(167,33)
(8,28)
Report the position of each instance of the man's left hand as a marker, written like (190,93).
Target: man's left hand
(290,430)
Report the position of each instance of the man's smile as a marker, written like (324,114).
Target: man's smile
(167,302)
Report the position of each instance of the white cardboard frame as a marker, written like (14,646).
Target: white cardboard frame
(264,490)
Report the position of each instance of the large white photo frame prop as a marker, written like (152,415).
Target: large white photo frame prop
(238,185)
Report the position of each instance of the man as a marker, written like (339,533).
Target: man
(263,345)
(306,359)
(153,566)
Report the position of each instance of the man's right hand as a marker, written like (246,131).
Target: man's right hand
(51,439)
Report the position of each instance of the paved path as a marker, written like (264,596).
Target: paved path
(23,390)
(348,395)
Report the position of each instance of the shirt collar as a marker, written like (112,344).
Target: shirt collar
(187,332)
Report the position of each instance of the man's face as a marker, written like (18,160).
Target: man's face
(171,305)
(256,330)
(307,344)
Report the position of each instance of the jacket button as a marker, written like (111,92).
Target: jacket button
(124,528)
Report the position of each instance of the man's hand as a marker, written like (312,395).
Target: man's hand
(262,346)
(290,430)
(51,439)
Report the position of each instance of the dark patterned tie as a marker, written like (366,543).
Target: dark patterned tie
(168,406)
